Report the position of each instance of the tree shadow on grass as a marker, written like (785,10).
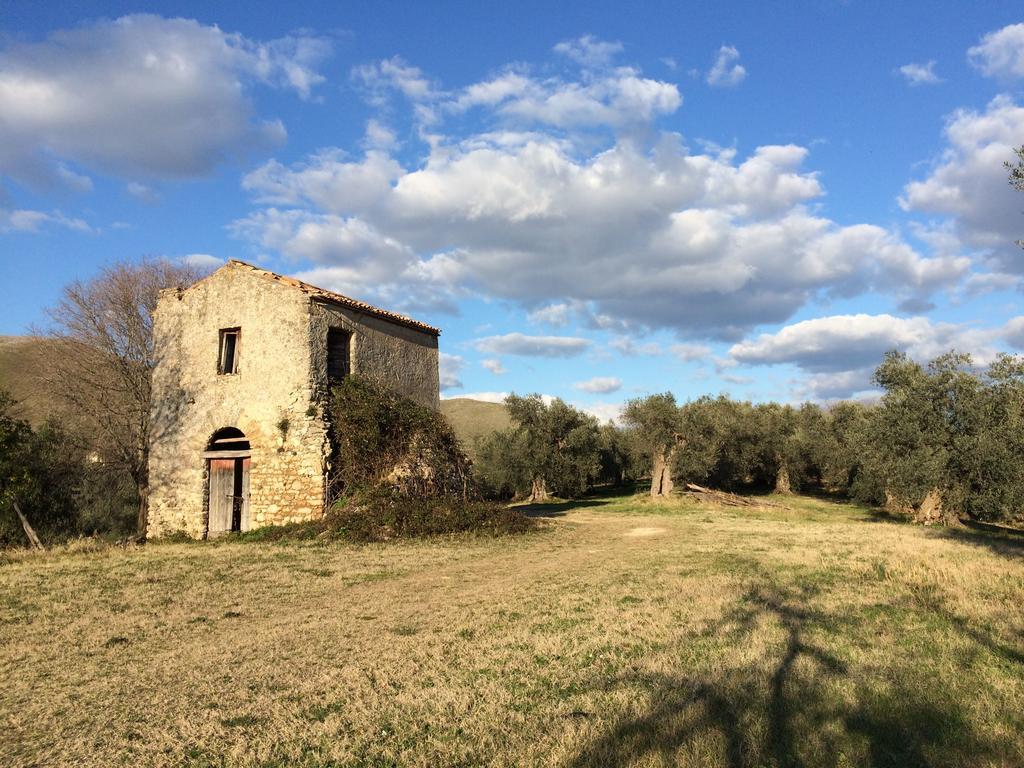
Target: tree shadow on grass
(1002,541)
(560,508)
(795,712)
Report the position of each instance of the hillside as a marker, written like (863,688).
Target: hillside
(22,358)
(473,419)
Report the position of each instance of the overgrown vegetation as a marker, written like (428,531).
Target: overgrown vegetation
(398,471)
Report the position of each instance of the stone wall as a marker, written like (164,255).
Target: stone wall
(402,358)
(276,398)
(270,399)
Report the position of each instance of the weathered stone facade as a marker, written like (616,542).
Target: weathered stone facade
(275,395)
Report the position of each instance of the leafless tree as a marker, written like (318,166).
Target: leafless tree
(101,335)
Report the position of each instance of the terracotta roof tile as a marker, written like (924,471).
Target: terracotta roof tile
(337,298)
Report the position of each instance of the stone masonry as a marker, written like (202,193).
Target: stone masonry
(276,396)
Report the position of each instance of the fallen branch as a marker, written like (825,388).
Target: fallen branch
(33,539)
(729,499)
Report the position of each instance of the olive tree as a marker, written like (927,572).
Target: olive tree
(551,448)
(658,425)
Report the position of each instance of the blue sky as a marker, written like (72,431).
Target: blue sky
(594,203)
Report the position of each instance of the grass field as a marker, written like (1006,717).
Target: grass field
(624,633)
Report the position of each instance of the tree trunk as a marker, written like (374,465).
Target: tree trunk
(142,521)
(931,511)
(661,473)
(539,491)
(782,484)
(29,531)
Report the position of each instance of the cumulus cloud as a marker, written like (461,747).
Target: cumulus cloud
(142,96)
(968,182)
(27,221)
(494,366)
(449,368)
(690,352)
(603,412)
(841,343)
(629,233)
(920,74)
(588,51)
(726,72)
(840,352)
(553,314)
(202,261)
(599,385)
(1000,53)
(533,346)
(628,347)
(394,74)
(1013,332)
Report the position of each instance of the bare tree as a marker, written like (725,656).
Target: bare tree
(103,358)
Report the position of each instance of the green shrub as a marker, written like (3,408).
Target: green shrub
(41,471)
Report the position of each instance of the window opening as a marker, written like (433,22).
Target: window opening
(228,362)
(339,352)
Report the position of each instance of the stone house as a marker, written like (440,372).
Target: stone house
(245,359)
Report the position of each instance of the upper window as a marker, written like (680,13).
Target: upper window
(229,345)
(339,344)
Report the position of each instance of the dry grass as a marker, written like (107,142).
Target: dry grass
(627,633)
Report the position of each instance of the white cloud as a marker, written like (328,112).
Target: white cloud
(690,352)
(142,192)
(532,346)
(32,221)
(588,51)
(394,74)
(968,183)
(1013,332)
(1000,53)
(628,347)
(920,74)
(141,96)
(450,366)
(379,136)
(603,412)
(203,261)
(494,366)
(726,72)
(628,234)
(843,343)
(553,314)
(599,385)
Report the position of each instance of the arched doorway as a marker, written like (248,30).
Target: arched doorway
(227,458)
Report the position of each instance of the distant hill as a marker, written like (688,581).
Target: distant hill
(472,419)
(22,359)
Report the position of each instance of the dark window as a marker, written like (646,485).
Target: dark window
(339,343)
(228,361)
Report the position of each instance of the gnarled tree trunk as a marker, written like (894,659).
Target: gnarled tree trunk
(661,473)
(539,490)
(782,484)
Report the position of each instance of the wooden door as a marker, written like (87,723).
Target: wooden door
(244,468)
(222,493)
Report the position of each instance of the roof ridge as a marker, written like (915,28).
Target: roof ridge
(338,298)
